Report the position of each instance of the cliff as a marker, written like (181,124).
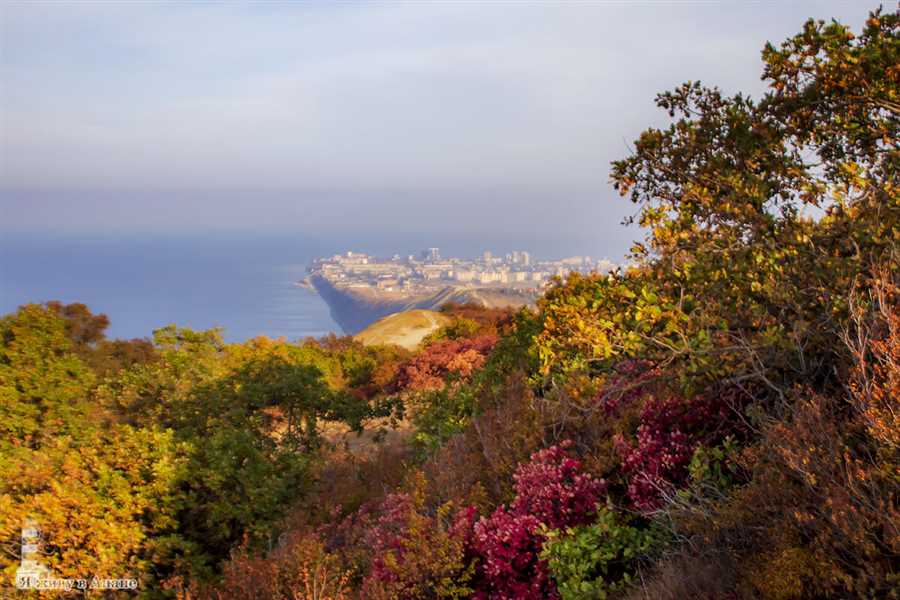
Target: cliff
(354,309)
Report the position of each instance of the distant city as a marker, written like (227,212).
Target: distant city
(429,271)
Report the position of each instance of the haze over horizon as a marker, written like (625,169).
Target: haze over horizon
(403,118)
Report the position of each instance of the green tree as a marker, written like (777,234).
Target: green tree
(43,386)
(103,495)
(736,279)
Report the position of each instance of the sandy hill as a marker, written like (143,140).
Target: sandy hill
(405,329)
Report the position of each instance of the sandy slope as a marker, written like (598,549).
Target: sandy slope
(404,329)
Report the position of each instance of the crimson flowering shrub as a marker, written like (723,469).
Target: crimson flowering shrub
(416,554)
(553,489)
(510,545)
(551,493)
(671,429)
(429,369)
(386,537)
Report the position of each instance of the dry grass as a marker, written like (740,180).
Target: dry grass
(405,329)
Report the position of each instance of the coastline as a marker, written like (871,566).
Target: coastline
(354,309)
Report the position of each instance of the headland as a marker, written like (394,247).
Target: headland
(360,289)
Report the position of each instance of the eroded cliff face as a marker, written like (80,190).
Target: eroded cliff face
(354,309)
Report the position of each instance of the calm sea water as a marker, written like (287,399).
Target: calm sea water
(242,284)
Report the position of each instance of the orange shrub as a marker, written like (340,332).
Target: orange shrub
(298,569)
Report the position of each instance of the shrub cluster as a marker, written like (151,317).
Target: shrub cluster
(429,369)
(551,492)
(448,554)
(671,429)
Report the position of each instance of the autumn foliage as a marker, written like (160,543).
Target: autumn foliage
(430,369)
(718,420)
(551,493)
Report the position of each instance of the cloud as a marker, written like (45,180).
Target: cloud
(132,110)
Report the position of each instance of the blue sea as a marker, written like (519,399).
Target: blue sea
(244,284)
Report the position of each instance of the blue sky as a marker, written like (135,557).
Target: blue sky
(283,116)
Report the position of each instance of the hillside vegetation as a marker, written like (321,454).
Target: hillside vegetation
(720,420)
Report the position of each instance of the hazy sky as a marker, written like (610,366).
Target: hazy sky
(436,116)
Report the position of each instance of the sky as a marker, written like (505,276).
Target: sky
(434,117)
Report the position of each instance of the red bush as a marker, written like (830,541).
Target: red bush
(671,428)
(510,545)
(417,554)
(551,491)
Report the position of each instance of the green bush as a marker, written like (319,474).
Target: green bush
(591,561)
